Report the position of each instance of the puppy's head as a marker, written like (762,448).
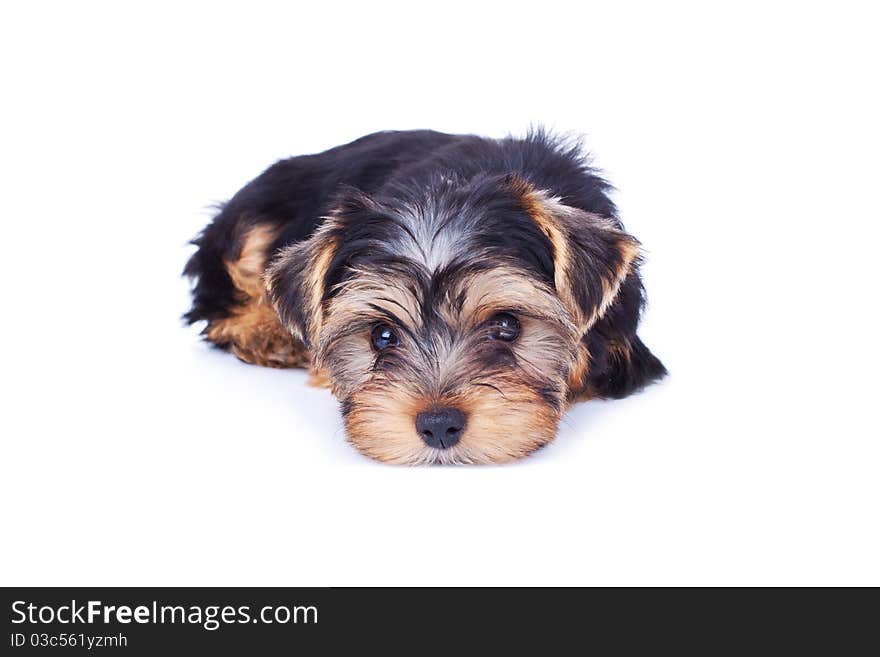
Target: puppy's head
(450,321)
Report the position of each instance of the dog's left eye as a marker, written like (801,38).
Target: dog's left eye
(503,326)
(383,336)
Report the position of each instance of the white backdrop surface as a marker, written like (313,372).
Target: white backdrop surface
(743,142)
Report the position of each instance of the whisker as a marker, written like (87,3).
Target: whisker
(495,388)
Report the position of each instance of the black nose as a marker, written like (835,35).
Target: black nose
(440,427)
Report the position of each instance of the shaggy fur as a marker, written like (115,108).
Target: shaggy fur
(435,240)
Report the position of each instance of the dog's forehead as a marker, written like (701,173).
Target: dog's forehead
(460,293)
(447,224)
(484,290)
(433,235)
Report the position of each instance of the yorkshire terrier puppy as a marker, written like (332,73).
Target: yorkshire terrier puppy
(456,293)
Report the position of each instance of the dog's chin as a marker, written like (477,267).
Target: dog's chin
(498,430)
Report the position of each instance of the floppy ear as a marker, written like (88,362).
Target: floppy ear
(592,255)
(596,277)
(295,282)
(296,278)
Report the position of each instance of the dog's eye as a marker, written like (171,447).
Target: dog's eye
(503,326)
(383,336)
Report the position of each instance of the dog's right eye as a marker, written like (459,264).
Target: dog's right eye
(383,336)
(503,326)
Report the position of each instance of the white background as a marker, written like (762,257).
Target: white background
(744,144)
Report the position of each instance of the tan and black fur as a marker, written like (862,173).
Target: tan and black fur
(498,268)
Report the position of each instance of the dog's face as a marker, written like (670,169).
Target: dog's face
(450,321)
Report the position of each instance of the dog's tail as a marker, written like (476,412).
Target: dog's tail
(213,292)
